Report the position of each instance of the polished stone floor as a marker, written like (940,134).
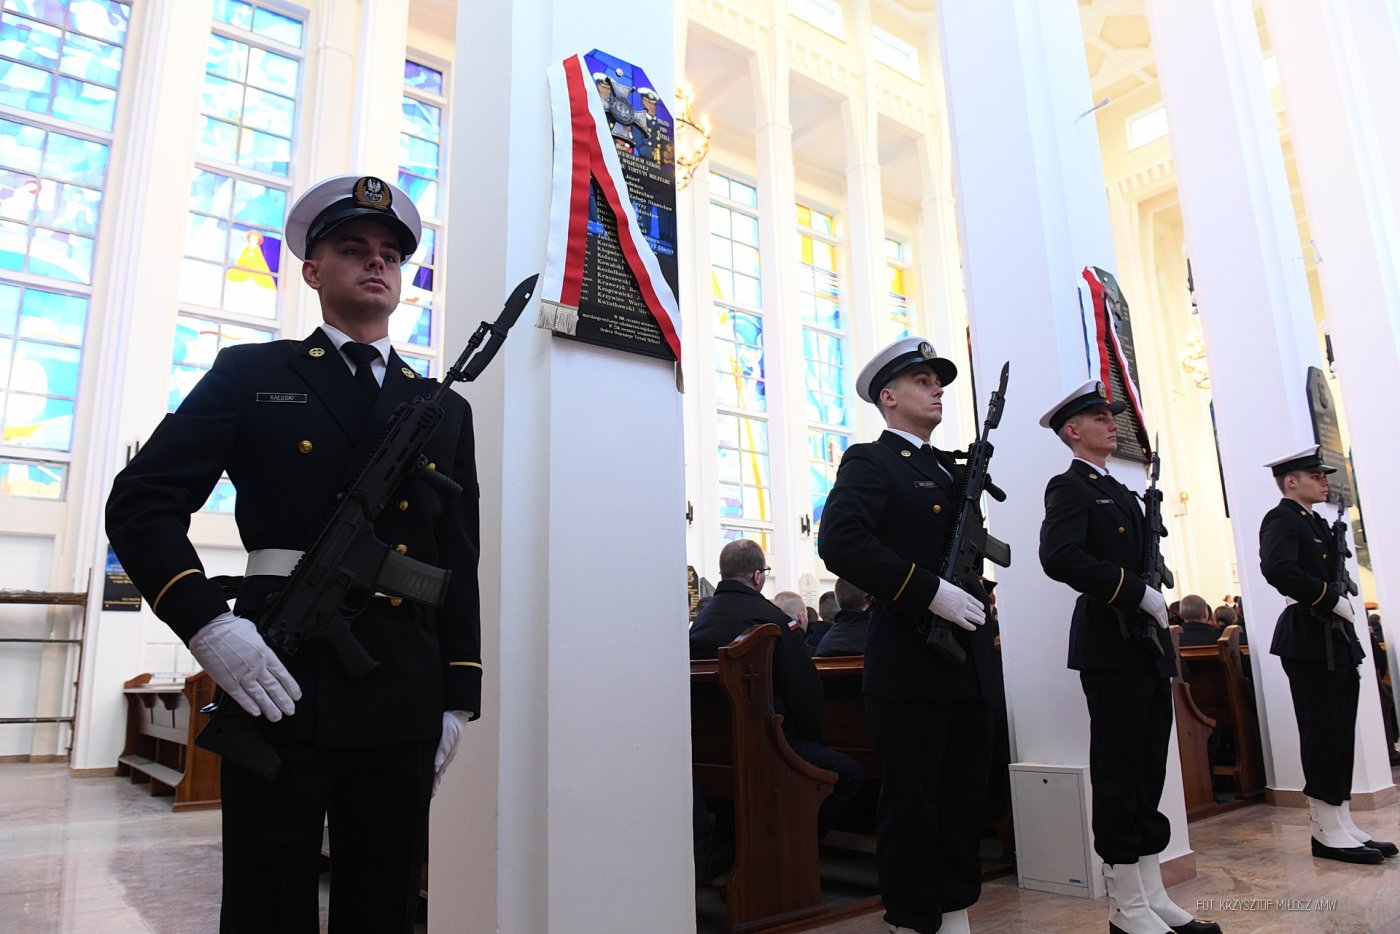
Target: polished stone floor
(97,854)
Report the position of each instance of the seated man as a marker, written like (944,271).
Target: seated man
(847,633)
(817,628)
(790,602)
(1197,624)
(738,606)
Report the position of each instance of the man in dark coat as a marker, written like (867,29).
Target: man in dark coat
(885,528)
(847,633)
(291,422)
(1197,622)
(1316,639)
(738,606)
(1092,540)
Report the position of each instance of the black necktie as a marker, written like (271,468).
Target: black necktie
(363,356)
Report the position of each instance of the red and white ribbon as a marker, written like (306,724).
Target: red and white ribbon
(1107,348)
(584,150)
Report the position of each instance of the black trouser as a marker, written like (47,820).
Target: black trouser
(1324,703)
(849,777)
(1130,726)
(376,800)
(933,760)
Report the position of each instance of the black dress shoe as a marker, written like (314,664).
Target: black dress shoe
(1380,846)
(1197,926)
(1115,929)
(1347,854)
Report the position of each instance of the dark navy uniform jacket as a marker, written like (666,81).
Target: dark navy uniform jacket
(287,422)
(1294,551)
(1092,540)
(886,528)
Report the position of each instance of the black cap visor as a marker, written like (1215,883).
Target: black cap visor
(348,208)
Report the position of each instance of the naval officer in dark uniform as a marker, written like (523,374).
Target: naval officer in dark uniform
(1294,551)
(1092,540)
(885,528)
(291,422)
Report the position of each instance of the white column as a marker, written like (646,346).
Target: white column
(1347,191)
(865,208)
(578,773)
(1255,308)
(132,325)
(383,41)
(1033,213)
(782,324)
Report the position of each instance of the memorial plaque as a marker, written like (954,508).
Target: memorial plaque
(118,592)
(1327,432)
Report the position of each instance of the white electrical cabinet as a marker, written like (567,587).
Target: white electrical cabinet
(1054,844)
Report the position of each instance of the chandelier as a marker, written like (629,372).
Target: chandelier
(692,136)
(1193,359)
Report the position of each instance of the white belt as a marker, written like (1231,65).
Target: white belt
(274,562)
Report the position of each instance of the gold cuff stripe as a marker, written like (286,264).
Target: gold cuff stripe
(171,583)
(1121,575)
(905,584)
(465,665)
(1321,595)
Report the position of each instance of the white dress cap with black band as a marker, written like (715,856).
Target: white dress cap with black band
(1082,398)
(1309,458)
(333,201)
(895,359)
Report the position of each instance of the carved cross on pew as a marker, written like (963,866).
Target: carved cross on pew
(751,677)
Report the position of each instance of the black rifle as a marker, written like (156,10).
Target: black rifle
(1339,579)
(348,564)
(1154,567)
(971,543)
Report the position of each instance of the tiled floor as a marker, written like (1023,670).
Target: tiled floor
(97,854)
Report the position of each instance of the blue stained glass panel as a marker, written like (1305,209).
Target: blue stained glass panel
(91,60)
(61,255)
(50,11)
(254,249)
(25,87)
(21,146)
(419,156)
(264,153)
(273,72)
(53,317)
(422,77)
(35,421)
(82,102)
(423,191)
(259,205)
(76,160)
(727,466)
(105,19)
(731,503)
(235,13)
(14,242)
(223,498)
(36,481)
(17,195)
(421,366)
(45,370)
(211,193)
(28,41)
(9,309)
(206,237)
(226,58)
(412,324)
(69,207)
(270,112)
(220,97)
(277,27)
(422,120)
(427,247)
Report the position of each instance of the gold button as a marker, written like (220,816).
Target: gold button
(1093,476)
(937,509)
(304,447)
(905,454)
(316,352)
(411,375)
(432,466)
(395,601)
(403,505)
(401,549)
(1121,530)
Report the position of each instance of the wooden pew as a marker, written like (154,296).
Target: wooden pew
(1220,685)
(1193,729)
(739,752)
(162,720)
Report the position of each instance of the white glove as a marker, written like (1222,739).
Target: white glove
(1344,610)
(1154,605)
(240,662)
(957,606)
(452,723)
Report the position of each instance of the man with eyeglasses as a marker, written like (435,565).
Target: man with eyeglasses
(737,606)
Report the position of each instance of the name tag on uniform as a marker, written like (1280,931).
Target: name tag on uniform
(282,397)
(1104,502)
(924,484)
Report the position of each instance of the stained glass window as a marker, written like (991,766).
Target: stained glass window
(197,342)
(824,450)
(41,339)
(421,176)
(50,201)
(233,245)
(34,479)
(63,58)
(897,269)
(744,482)
(824,350)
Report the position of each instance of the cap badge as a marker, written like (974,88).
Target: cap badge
(371,192)
(1099,388)
(926,350)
